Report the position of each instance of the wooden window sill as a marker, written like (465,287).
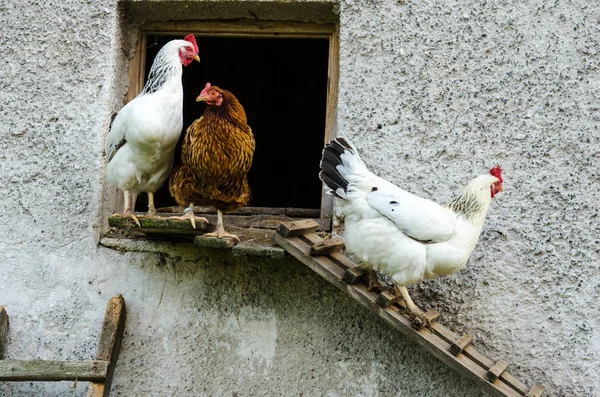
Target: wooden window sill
(162,235)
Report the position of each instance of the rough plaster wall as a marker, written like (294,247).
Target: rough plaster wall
(429,100)
(434,93)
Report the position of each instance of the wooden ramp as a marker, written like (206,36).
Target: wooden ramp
(98,372)
(324,257)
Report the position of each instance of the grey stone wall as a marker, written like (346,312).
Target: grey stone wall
(432,92)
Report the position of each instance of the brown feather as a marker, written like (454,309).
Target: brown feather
(216,156)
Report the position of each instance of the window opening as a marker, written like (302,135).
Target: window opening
(285,76)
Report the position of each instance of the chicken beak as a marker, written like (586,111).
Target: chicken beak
(197,58)
(500,188)
(201,98)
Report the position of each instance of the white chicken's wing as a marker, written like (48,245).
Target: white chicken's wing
(418,218)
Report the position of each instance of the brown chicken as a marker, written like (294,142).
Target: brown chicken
(216,157)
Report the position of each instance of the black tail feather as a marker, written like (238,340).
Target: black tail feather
(329,162)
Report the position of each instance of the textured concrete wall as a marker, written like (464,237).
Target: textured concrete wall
(433,93)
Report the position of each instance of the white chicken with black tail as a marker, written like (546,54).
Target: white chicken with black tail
(406,237)
(141,142)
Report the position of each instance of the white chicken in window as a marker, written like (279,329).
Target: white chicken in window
(141,142)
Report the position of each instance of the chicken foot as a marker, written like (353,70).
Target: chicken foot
(188,215)
(129,203)
(373,281)
(220,230)
(412,308)
(151,209)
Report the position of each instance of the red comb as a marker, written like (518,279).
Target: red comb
(205,90)
(496,171)
(192,39)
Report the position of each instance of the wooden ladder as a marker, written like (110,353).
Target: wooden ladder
(299,239)
(99,371)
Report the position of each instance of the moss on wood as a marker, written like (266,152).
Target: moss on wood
(158,224)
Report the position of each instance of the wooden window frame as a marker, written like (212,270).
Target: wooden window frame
(263,216)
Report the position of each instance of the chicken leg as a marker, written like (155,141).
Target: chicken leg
(220,230)
(373,281)
(411,306)
(188,214)
(129,204)
(151,209)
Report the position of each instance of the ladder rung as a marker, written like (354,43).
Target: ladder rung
(387,298)
(496,370)
(459,345)
(51,371)
(536,391)
(297,228)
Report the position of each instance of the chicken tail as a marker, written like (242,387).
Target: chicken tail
(339,164)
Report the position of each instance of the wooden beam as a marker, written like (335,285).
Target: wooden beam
(354,275)
(48,371)
(297,228)
(3,330)
(214,242)
(327,247)
(109,344)
(497,369)
(459,345)
(333,72)
(158,222)
(250,249)
(387,298)
(291,212)
(279,29)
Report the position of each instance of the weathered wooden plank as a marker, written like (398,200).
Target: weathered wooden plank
(311,238)
(162,224)
(249,249)
(158,223)
(296,228)
(336,257)
(457,347)
(494,372)
(292,212)
(387,298)
(322,266)
(253,221)
(536,391)
(333,73)
(109,344)
(243,28)
(355,275)
(48,371)
(343,260)
(214,242)
(327,247)
(334,272)
(432,315)
(3,330)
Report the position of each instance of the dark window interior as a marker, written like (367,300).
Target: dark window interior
(282,84)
